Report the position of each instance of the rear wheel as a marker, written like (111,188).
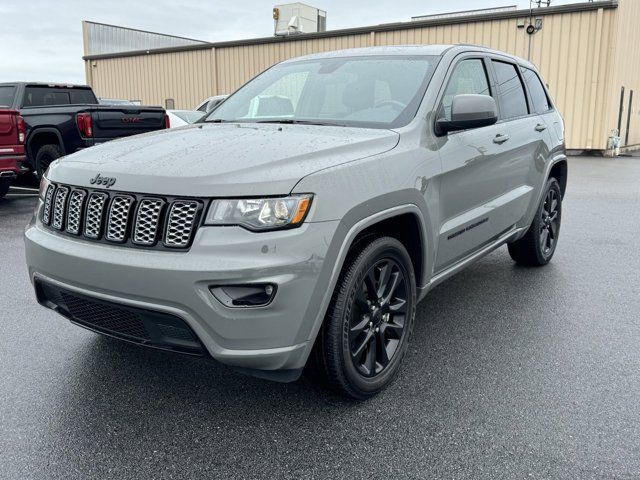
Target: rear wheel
(5,183)
(370,320)
(44,157)
(537,247)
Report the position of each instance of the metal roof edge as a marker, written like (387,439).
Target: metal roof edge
(558,9)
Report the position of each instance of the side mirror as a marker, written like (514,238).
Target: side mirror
(469,111)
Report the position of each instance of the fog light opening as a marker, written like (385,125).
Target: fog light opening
(238,296)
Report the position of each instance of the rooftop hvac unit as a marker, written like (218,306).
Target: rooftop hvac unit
(297,18)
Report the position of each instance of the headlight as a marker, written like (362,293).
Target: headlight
(260,213)
(44,183)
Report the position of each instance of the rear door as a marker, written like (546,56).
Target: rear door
(528,133)
(541,104)
(116,122)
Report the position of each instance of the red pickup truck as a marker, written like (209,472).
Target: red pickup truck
(12,154)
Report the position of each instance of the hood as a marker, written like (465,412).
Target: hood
(221,159)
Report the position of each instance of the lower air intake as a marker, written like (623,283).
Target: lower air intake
(137,325)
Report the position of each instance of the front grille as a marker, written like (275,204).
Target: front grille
(148,221)
(119,218)
(181,218)
(48,202)
(74,212)
(138,325)
(95,215)
(59,206)
(127,219)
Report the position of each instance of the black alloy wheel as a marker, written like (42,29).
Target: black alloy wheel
(368,326)
(537,246)
(378,317)
(549,223)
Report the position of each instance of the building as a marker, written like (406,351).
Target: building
(587,52)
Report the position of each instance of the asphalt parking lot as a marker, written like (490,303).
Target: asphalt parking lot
(512,373)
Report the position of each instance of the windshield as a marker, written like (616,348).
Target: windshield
(372,91)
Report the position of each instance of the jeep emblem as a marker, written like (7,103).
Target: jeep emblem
(100,180)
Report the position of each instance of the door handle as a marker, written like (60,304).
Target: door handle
(500,139)
(540,127)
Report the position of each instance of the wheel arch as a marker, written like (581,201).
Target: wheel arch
(405,227)
(43,136)
(557,165)
(347,235)
(559,171)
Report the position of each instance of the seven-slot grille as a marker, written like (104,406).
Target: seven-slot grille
(132,220)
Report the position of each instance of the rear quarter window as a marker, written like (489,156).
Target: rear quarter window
(539,99)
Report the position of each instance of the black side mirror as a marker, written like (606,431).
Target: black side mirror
(469,111)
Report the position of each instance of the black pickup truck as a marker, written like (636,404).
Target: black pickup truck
(62,119)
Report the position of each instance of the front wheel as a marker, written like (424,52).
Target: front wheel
(537,247)
(367,328)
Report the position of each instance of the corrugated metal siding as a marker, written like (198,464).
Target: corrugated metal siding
(236,65)
(626,70)
(564,51)
(186,77)
(573,52)
(103,39)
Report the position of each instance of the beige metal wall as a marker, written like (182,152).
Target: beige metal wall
(186,77)
(574,52)
(236,65)
(626,70)
(571,52)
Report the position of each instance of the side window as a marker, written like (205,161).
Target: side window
(469,77)
(539,99)
(82,96)
(513,101)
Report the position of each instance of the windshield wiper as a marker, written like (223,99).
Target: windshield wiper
(291,121)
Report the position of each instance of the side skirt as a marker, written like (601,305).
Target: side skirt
(465,262)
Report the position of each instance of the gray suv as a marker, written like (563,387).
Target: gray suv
(299,223)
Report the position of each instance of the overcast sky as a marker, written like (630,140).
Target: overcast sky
(41,40)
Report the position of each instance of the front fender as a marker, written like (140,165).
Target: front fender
(354,222)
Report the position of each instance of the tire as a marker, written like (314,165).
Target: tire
(44,157)
(537,247)
(5,183)
(361,344)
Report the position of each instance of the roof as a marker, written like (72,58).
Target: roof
(408,50)
(451,20)
(44,84)
(382,50)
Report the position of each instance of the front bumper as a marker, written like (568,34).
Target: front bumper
(274,337)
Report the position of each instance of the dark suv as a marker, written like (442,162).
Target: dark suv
(62,119)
